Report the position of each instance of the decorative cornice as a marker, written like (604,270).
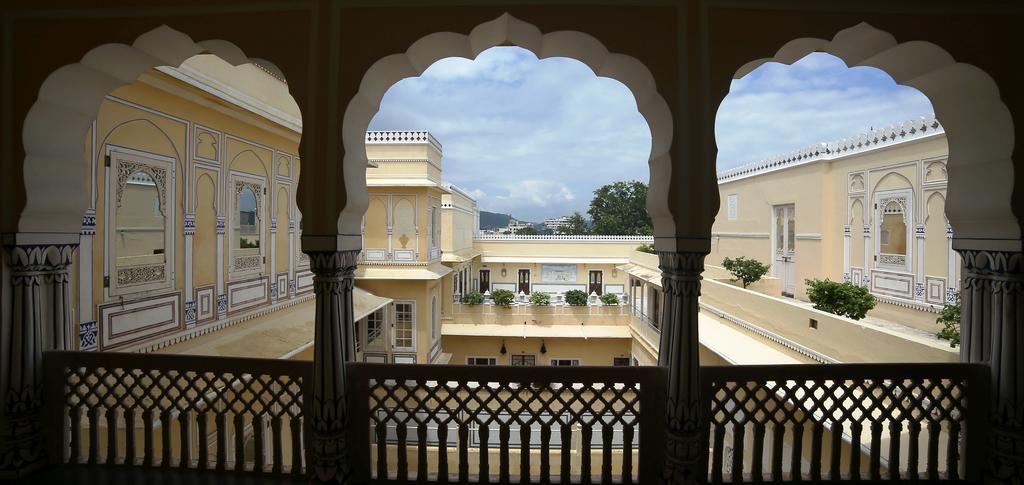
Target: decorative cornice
(909,130)
(402,137)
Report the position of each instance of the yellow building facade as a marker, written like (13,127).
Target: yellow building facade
(869,209)
(192,223)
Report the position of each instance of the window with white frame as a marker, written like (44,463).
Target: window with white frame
(141,237)
(405,325)
(375,330)
(435,320)
(732,207)
(247,224)
(481,361)
(565,362)
(524,359)
(893,217)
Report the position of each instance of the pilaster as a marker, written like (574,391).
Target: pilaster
(846,253)
(40,285)
(86,322)
(191,310)
(919,263)
(685,443)
(869,253)
(273,261)
(333,282)
(992,333)
(222,299)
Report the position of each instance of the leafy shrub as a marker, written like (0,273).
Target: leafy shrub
(538,298)
(576,297)
(503,297)
(646,248)
(845,299)
(747,271)
(950,321)
(610,299)
(473,298)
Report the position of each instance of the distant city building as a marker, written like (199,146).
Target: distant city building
(556,223)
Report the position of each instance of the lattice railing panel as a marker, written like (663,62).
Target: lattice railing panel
(524,424)
(178,411)
(844,421)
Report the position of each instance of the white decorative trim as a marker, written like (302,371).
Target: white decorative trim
(911,130)
(744,235)
(564,238)
(809,236)
(771,336)
(402,137)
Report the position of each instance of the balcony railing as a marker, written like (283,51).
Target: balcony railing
(437,424)
(846,422)
(174,411)
(440,423)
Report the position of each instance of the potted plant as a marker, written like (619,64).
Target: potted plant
(503,298)
(540,299)
(610,299)
(576,298)
(473,298)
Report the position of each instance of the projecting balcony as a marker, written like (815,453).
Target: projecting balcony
(442,424)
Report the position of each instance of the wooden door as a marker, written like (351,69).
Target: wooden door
(485,280)
(524,281)
(596,283)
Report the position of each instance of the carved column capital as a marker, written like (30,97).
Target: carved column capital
(40,280)
(333,282)
(685,439)
(992,332)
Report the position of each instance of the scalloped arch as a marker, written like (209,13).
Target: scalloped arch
(69,100)
(979,127)
(506,30)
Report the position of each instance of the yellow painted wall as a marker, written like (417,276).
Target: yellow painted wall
(590,352)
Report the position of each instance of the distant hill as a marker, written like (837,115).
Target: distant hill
(493,220)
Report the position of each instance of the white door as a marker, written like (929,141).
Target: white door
(784,242)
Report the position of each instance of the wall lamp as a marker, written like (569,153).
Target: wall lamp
(543,348)
(503,349)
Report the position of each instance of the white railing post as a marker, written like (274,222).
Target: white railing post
(334,334)
(40,319)
(685,452)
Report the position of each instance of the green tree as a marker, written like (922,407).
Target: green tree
(747,271)
(950,321)
(526,231)
(576,225)
(620,209)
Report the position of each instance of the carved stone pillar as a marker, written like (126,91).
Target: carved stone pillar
(992,331)
(919,248)
(333,280)
(685,447)
(39,319)
(191,308)
(846,253)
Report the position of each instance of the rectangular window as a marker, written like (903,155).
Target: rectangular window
(565,362)
(732,207)
(481,361)
(375,330)
(620,361)
(524,360)
(405,325)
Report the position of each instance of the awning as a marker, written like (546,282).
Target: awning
(460,256)
(365,303)
(397,272)
(538,331)
(498,258)
(642,272)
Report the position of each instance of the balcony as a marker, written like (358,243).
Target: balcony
(441,424)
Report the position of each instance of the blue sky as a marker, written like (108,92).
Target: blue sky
(534,138)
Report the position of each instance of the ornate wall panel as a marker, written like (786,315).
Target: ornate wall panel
(206,304)
(891,283)
(248,294)
(123,324)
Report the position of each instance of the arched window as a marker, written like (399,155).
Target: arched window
(140,237)
(247,227)
(892,217)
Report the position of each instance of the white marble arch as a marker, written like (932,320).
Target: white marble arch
(978,125)
(54,133)
(506,30)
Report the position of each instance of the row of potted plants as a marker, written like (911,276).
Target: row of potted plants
(505,298)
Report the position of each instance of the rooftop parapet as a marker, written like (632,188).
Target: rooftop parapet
(914,129)
(402,137)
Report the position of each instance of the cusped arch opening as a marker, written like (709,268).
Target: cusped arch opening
(507,30)
(55,129)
